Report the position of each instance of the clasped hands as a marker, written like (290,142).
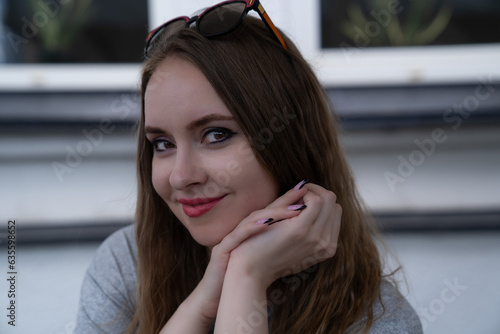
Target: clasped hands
(303,232)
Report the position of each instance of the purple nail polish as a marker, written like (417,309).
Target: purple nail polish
(300,184)
(265,221)
(297,207)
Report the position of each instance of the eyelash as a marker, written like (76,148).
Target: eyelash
(228,135)
(156,142)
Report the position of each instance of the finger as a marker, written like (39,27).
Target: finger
(325,230)
(281,213)
(326,198)
(337,222)
(318,221)
(308,215)
(332,225)
(335,231)
(316,189)
(253,225)
(324,221)
(241,233)
(291,196)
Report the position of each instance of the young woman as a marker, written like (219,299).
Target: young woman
(228,239)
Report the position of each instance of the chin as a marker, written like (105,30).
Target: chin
(207,238)
(207,241)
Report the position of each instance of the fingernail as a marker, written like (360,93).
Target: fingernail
(265,221)
(301,184)
(275,222)
(297,207)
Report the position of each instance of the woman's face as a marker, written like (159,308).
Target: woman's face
(203,167)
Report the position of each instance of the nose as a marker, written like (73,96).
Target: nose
(187,170)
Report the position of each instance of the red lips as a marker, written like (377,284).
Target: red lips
(198,206)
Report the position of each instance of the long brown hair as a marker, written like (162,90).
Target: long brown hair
(284,112)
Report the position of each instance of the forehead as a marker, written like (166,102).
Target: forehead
(179,89)
(175,75)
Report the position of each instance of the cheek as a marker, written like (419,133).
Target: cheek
(160,178)
(260,187)
(225,174)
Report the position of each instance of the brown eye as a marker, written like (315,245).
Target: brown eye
(217,136)
(161,145)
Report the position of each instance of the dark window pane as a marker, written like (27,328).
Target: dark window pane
(73,31)
(378,23)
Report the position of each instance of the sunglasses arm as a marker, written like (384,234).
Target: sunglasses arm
(270,25)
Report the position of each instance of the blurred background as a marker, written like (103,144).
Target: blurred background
(416,86)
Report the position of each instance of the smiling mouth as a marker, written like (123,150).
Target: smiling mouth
(199,206)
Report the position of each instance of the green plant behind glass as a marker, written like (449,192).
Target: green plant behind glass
(412,32)
(61,29)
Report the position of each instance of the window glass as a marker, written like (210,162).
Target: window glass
(381,23)
(72,31)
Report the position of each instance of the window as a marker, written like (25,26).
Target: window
(76,31)
(106,52)
(381,23)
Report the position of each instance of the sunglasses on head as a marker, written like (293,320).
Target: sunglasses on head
(215,21)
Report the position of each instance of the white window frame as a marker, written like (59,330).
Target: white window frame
(430,65)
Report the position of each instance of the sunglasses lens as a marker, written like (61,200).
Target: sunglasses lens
(221,19)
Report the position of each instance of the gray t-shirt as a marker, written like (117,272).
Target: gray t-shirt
(108,293)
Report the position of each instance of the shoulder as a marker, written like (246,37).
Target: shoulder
(120,243)
(116,258)
(108,290)
(395,315)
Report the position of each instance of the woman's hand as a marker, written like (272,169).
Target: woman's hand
(198,312)
(294,240)
(295,243)
(290,245)
(208,291)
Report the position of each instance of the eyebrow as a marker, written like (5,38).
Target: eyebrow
(194,124)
